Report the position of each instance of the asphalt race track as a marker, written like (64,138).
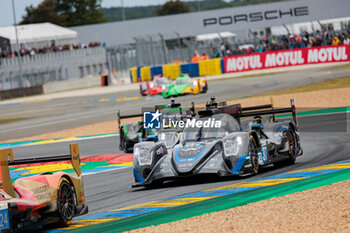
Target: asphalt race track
(66,113)
(324,139)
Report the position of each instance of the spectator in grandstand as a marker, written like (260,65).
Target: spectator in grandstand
(222,49)
(266,40)
(347,39)
(329,39)
(285,39)
(44,50)
(274,45)
(318,41)
(236,51)
(335,41)
(284,44)
(215,53)
(294,44)
(204,56)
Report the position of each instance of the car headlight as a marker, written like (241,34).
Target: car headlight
(168,138)
(194,84)
(232,146)
(143,155)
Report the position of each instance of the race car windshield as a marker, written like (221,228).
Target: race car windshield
(161,81)
(168,137)
(182,81)
(228,125)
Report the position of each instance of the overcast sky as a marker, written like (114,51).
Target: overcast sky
(6,16)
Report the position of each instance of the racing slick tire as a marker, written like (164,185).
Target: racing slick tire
(65,203)
(205,88)
(292,149)
(254,153)
(143,94)
(292,146)
(123,144)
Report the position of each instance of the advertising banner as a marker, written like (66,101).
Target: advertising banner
(285,58)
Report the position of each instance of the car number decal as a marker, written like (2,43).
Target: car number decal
(263,155)
(4,218)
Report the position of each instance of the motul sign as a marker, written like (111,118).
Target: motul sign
(330,54)
(285,58)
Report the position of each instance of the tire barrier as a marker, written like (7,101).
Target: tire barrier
(171,71)
(133,74)
(247,62)
(156,71)
(210,67)
(145,73)
(192,69)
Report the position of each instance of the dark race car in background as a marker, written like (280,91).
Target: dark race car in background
(238,147)
(132,133)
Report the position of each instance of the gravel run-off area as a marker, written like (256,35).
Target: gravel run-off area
(324,209)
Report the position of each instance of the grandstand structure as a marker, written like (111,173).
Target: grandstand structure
(160,40)
(45,53)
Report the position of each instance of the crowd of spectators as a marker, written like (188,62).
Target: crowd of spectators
(7,53)
(304,40)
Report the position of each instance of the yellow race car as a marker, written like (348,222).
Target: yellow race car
(48,198)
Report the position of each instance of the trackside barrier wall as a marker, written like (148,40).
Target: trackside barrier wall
(133,74)
(192,69)
(285,58)
(171,71)
(222,65)
(156,70)
(210,67)
(146,74)
(139,73)
(255,61)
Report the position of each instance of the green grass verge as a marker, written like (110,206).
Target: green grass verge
(215,204)
(326,85)
(344,66)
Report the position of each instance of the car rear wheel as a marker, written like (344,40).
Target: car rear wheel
(254,152)
(142,91)
(205,88)
(65,203)
(292,146)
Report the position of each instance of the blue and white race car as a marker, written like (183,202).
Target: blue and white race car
(239,146)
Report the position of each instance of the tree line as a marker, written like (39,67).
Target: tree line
(69,13)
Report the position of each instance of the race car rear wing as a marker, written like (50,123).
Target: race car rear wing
(156,107)
(6,160)
(273,111)
(258,107)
